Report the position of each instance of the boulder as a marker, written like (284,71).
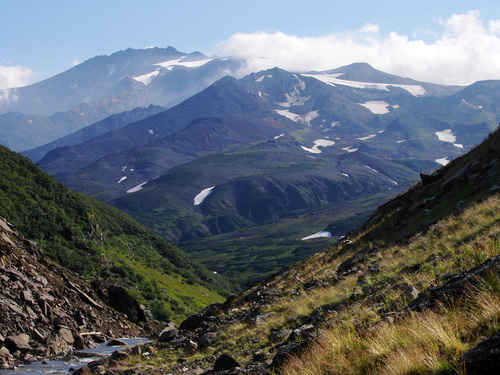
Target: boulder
(207,339)
(66,335)
(225,362)
(18,342)
(193,322)
(123,302)
(168,333)
(484,358)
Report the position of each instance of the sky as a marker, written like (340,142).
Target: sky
(440,41)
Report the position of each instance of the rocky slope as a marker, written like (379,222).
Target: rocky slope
(48,311)
(414,290)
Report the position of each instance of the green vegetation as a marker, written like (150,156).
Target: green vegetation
(96,240)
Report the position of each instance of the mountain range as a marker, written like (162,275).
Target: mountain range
(102,86)
(271,146)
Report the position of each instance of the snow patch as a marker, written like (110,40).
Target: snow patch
(122,179)
(304,119)
(367,137)
(150,131)
(332,79)
(350,149)
(345,174)
(371,169)
(123,168)
(137,188)
(260,79)
(171,64)
(318,143)
(442,161)
(401,141)
(376,106)
(147,78)
(317,235)
(279,136)
(446,136)
(202,195)
(294,98)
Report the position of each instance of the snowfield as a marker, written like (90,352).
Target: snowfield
(442,161)
(318,143)
(202,195)
(332,79)
(377,107)
(447,136)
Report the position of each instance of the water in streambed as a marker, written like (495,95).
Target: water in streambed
(82,357)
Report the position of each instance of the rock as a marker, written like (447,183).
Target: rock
(190,347)
(4,352)
(66,335)
(259,319)
(411,268)
(285,352)
(123,302)
(484,358)
(168,333)
(207,339)
(82,371)
(260,356)
(116,342)
(193,322)
(119,355)
(279,335)
(18,342)
(79,342)
(225,362)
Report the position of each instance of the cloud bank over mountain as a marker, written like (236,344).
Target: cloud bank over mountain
(466,50)
(14,76)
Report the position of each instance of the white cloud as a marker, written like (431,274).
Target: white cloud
(14,76)
(466,51)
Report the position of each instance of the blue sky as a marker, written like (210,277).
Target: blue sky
(439,40)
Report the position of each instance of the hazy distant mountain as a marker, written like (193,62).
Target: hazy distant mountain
(102,86)
(115,121)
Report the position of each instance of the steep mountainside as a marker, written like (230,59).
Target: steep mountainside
(49,311)
(98,241)
(415,290)
(273,146)
(104,85)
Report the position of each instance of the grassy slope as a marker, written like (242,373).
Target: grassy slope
(361,334)
(97,240)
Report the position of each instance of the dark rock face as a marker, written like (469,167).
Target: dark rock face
(123,302)
(168,333)
(47,310)
(225,362)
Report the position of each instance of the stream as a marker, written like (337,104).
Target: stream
(62,366)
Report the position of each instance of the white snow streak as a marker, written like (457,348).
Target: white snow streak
(147,78)
(202,195)
(137,188)
(317,235)
(367,137)
(332,79)
(350,149)
(122,179)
